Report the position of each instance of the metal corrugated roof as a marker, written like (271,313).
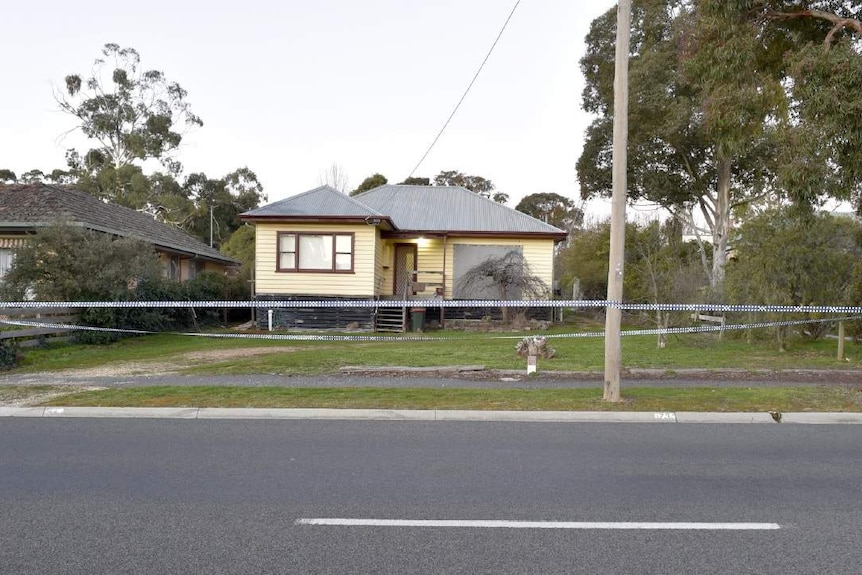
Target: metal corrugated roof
(37,205)
(449,208)
(324,201)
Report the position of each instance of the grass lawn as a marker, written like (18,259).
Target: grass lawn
(704,351)
(787,399)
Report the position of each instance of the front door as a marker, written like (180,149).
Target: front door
(405,269)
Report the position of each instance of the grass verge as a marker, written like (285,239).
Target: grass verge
(785,399)
(317,357)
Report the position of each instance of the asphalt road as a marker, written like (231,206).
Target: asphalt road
(176,496)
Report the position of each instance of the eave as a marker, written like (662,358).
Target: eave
(384,222)
(30,227)
(408,234)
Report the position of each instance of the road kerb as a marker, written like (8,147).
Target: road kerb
(123,412)
(717,417)
(550,416)
(822,418)
(429,415)
(314,413)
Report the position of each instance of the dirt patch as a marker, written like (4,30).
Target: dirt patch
(24,397)
(170,365)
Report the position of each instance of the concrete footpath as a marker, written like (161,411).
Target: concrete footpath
(429,415)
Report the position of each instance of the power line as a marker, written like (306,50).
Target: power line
(458,105)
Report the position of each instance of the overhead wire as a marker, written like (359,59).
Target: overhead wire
(467,91)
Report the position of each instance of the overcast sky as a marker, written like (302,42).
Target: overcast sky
(289,87)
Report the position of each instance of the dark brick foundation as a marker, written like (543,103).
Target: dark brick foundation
(338,318)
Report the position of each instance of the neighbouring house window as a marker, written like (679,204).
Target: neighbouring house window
(7,256)
(310,252)
(196,267)
(175,266)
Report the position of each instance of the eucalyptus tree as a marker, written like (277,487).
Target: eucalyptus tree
(553,209)
(369,183)
(679,155)
(477,184)
(216,203)
(415,181)
(133,115)
(814,49)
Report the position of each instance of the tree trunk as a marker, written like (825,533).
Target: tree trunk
(721,229)
(504,310)
(841,356)
(662,322)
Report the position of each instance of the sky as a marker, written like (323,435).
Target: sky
(289,88)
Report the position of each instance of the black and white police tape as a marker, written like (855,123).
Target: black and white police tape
(436,303)
(401,338)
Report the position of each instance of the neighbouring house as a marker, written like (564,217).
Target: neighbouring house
(27,207)
(393,242)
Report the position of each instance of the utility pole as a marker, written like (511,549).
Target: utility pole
(613,314)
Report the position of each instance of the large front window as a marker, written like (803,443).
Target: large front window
(311,252)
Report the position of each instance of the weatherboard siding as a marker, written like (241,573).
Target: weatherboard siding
(429,253)
(379,265)
(539,254)
(430,260)
(359,283)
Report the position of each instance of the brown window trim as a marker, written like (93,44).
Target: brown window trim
(332,270)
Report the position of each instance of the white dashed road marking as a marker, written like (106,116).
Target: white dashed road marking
(347,522)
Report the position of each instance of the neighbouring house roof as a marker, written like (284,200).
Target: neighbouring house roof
(412,209)
(28,206)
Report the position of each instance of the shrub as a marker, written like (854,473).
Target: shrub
(8,355)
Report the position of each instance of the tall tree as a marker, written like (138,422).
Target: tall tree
(678,157)
(132,114)
(369,183)
(135,116)
(218,202)
(415,181)
(7,177)
(814,49)
(553,209)
(32,177)
(477,184)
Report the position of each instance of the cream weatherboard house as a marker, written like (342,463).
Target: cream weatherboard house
(392,242)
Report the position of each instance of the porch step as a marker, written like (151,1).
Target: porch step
(391,319)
